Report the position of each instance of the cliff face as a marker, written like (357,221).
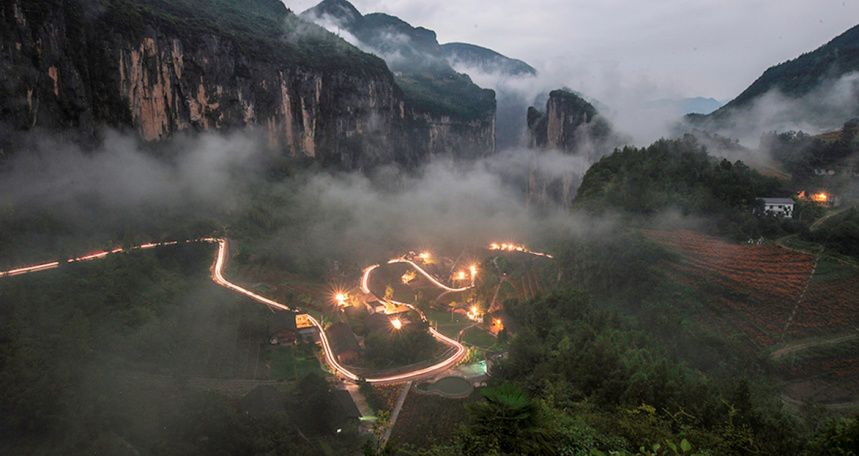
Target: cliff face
(446,108)
(569,122)
(571,126)
(81,64)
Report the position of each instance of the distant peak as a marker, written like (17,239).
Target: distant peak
(340,10)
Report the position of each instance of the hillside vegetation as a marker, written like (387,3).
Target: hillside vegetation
(678,175)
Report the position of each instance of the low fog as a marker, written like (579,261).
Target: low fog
(825,108)
(216,182)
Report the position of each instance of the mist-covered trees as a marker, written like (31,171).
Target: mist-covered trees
(801,153)
(676,175)
(670,174)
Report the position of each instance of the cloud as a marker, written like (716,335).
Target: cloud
(121,171)
(824,108)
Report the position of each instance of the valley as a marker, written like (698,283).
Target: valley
(394,228)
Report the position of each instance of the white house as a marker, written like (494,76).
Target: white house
(781,207)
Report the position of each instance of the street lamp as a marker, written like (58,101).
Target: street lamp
(396,323)
(341,298)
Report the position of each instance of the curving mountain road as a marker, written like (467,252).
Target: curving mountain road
(330,357)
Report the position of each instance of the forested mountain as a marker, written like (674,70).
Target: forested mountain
(416,58)
(161,67)
(796,78)
(486,60)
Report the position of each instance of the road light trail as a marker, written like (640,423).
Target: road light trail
(425,274)
(511,247)
(219,279)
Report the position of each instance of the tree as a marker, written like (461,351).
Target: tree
(508,419)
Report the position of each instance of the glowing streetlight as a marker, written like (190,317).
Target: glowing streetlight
(473,270)
(460,275)
(396,323)
(341,298)
(425,255)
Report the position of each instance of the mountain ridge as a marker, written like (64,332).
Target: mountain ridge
(797,77)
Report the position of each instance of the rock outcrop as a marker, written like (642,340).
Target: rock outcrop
(163,68)
(568,124)
(571,126)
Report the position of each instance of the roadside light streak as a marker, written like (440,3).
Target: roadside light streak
(218,278)
(511,247)
(365,279)
(425,274)
(28,269)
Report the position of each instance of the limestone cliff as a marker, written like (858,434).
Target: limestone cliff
(450,111)
(567,124)
(165,67)
(571,126)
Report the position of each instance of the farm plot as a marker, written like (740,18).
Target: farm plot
(754,287)
(831,304)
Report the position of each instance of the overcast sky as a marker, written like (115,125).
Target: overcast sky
(712,48)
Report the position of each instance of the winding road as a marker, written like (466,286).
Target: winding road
(329,355)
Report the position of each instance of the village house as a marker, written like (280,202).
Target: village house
(281,328)
(343,342)
(780,207)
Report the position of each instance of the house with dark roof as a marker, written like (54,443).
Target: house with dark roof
(343,342)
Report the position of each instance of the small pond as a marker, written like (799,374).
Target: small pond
(453,387)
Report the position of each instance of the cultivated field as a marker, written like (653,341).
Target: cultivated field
(803,308)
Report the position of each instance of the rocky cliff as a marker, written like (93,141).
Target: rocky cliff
(453,112)
(161,67)
(571,126)
(568,123)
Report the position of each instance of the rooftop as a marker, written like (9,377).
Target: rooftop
(777,200)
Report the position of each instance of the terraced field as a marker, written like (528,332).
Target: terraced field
(801,307)
(754,287)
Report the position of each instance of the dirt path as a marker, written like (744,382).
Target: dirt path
(838,406)
(801,296)
(359,399)
(817,224)
(803,345)
(401,399)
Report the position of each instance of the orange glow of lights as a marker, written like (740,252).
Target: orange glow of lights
(511,247)
(396,323)
(341,298)
(819,197)
(460,275)
(425,255)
